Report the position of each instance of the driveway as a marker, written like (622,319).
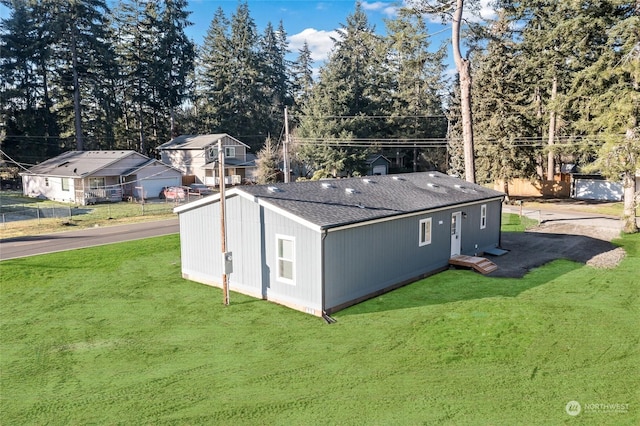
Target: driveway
(12,248)
(580,237)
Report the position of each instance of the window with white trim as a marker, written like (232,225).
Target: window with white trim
(424,232)
(483,216)
(230,151)
(285,254)
(65,184)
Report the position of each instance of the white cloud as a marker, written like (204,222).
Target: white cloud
(320,42)
(386,8)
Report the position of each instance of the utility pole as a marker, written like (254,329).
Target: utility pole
(285,148)
(223,226)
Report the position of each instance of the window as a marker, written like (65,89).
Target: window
(285,252)
(65,184)
(96,183)
(229,151)
(483,216)
(425,232)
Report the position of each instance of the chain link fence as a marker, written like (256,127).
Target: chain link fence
(14,211)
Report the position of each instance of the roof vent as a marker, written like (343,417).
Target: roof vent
(367,180)
(432,185)
(397,178)
(327,185)
(350,191)
(459,186)
(432,175)
(274,189)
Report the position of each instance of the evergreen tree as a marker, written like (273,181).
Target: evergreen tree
(452,10)
(557,39)
(267,162)
(608,96)
(302,75)
(500,119)
(214,95)
(176,55)
(28,118)
(341,101)
(79,49)
(414,78)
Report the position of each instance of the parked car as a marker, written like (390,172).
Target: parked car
(200,189)
(173,193)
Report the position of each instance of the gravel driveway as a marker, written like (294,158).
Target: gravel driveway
(579,237)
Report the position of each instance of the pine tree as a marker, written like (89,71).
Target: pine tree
(608,93)
(500,119)
(29,120)
(267,162)
(302,75)
(80,44)
(341,101)
(414,80)
(214,95)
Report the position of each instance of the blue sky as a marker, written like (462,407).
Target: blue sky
(314,21)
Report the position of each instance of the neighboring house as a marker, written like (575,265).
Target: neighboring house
(197,155)
(378,165)
(87,177)
(320,246)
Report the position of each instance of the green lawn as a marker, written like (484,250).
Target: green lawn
(113,335)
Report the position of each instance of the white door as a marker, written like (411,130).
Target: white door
(456,228)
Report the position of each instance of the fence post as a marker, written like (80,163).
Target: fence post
(70,215)
(4,223)
(38,214)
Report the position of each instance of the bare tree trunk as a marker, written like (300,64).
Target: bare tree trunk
(76,93)
(551,168)
(463,66)
(629,214)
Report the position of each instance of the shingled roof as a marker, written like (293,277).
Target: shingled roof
(77,164)
(332,203)
(196,142)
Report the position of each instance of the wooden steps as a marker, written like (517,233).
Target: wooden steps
(480,264)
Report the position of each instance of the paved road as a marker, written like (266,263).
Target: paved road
(12,248)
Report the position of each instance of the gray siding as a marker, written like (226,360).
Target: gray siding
(307,290)
(475,240)
(366,259)
(251,236)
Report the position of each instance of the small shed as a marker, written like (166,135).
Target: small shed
(320,246)
(378,165)
(87,177)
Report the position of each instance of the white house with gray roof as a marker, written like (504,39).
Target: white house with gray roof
(87,177)
(320,246)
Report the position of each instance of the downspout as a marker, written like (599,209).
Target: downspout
(500,224)
(325,316)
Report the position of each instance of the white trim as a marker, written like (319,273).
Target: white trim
(426,223)
(279,277)
(483,216)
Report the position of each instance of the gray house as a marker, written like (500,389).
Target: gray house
(320,246)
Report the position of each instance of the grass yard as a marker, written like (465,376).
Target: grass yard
(113,335)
